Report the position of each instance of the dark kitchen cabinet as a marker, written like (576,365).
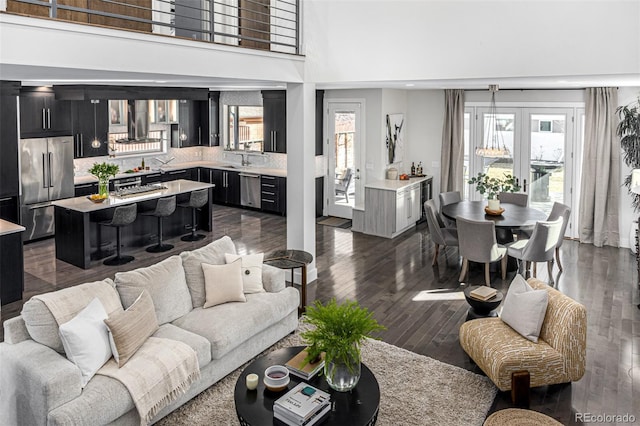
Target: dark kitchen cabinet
(273,194)
(11,268)
(9,177)
(84,189)
(319,121)
(213,116)
(189,174)
(227,187)
(90,119)
(41,115)
(274,103)
(150,178)
(193,124)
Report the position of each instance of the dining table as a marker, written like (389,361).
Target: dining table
(513,218)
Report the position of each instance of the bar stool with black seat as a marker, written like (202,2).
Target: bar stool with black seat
(122,216)
(197,200)
(164,207)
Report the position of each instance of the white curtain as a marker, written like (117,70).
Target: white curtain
(452,154)
(600,169)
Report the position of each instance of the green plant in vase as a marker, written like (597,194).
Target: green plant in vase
(104,171)
(338,331)
(492,186)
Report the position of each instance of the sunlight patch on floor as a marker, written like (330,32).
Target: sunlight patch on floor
(438,294)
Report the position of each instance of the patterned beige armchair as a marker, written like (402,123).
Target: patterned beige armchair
(558,357)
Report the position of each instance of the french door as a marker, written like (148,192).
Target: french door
(541,142)
(344,175)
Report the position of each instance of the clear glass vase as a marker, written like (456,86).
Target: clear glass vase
(342,375)
(103,187)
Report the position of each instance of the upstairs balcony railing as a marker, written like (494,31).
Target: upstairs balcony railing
(272,25)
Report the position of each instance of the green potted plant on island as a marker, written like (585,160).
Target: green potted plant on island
(103,171)
(492,186)
(338,331)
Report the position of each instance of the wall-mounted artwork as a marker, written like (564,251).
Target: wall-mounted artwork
(395,136)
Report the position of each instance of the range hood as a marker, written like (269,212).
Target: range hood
(138,122)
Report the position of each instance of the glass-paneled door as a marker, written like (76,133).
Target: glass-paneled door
(344,173)
(544,166)
(541,142)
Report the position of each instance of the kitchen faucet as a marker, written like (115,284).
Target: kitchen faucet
(164,163)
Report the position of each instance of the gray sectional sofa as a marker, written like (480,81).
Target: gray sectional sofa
(39,385)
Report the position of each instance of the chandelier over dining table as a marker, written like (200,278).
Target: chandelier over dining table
(494,146)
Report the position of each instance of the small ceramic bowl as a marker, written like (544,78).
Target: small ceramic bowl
(97,198)
(276,378)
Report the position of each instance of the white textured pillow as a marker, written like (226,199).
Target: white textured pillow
(524,308)
(86,339)
(213,254)
(251,271)
(223,283)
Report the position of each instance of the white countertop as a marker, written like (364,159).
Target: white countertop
(78,180)
(84,205)
(395,185)
(7,227)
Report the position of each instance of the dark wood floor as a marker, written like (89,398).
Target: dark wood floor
(422,306)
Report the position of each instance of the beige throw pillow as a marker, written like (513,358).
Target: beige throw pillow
(251,271)
(128,330)
(223,283)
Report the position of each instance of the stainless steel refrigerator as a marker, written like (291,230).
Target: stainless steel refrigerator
(46,175)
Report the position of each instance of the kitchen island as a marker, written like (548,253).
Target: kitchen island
(79,237)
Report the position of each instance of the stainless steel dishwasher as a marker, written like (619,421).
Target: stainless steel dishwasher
(250,190)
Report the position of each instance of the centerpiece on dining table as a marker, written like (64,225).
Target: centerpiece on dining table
(491,186)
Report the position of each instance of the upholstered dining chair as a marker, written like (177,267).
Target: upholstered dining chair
(447,198)
(477,243)
(563,211)
(539,248)
(440,235)
(517,198)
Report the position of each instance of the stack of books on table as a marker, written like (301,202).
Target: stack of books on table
(303,405)
(483,293)
(294,365)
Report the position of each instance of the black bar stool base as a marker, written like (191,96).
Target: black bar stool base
(190,237)
(159,248)
(118,260)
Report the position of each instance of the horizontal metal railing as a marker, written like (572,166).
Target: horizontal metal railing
(259,24)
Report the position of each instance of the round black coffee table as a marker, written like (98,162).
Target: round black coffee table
(355,408)
(481,308)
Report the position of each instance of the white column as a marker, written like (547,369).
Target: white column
(301,166)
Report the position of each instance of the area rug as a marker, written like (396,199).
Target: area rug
(338,222)
(414,390)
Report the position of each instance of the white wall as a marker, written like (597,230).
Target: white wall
(424,119)
(408,39)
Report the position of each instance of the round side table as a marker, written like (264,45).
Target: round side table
(481,308)
(292,259)
(359,407)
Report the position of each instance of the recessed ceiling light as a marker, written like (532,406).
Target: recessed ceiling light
(409,84)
